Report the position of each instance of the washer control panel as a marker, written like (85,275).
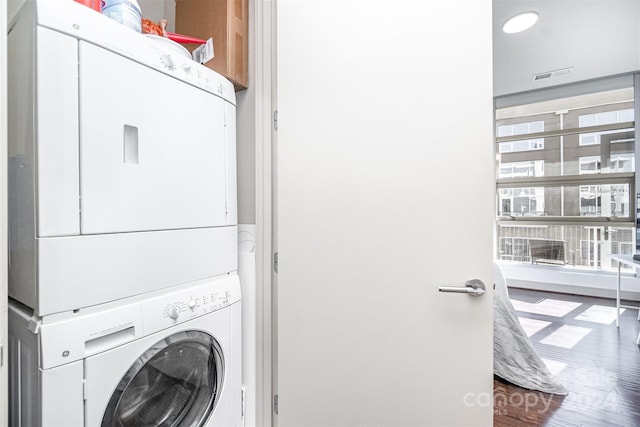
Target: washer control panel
(205,297)
(97,330)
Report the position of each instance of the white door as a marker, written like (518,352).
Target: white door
(385,191)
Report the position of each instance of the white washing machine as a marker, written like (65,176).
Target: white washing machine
(122,164)
(170,359)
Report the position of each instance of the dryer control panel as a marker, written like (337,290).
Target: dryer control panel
(84,24)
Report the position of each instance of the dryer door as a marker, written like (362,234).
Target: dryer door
(152,148)
(177,382)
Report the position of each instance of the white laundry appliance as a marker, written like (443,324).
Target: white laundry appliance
(122,176)
(167,359)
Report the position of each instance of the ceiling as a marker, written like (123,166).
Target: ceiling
(595,38)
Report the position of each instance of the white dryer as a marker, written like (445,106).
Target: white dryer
(172,359)
(122,175)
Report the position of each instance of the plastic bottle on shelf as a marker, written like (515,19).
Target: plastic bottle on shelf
(126,12)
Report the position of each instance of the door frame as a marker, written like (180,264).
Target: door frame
(264,83)
(4,401)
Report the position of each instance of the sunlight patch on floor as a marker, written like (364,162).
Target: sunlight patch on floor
(547,307)
(566,336)
(531,326)
(599,314)
(554,366)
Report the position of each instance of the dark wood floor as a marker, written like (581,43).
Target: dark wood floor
(598,363)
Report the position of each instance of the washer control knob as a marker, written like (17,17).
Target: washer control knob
(192,303)
(173,313)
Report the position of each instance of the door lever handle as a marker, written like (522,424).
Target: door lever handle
(473,287)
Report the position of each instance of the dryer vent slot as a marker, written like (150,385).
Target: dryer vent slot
(130,145)
(108,341)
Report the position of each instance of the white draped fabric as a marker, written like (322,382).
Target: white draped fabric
(514,358)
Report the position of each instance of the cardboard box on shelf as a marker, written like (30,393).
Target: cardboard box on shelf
(227,22)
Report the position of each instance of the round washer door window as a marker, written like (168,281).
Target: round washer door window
(176,383)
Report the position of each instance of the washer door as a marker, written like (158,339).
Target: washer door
(177,382)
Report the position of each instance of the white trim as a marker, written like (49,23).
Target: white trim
(264,51)
(3,215)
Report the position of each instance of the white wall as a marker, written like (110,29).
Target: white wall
(597,38)
(246,134)
(156,10)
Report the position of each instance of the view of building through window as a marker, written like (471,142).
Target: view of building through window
(565,172)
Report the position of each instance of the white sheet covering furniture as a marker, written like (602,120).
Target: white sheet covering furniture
(514,358)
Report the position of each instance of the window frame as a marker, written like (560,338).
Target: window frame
(610,178)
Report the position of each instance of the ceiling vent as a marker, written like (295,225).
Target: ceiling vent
(552,74)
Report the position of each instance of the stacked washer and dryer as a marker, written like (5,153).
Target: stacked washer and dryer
(125,299)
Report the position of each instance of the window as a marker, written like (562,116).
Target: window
(522,169)
(589,164)
(623,162)
(521,144)
(521,201)
(582,246)
(521,128)
(524,145)
(565,176)
(590,253)
(590,200)
(604,118)
(514,248)
(591,197)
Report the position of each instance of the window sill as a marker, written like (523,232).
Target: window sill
(571,280)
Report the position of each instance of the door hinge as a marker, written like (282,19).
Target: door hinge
(84,389)
(275,262)
(275,120)
(243,396)
(275,404)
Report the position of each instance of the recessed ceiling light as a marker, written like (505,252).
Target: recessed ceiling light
(520,22)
